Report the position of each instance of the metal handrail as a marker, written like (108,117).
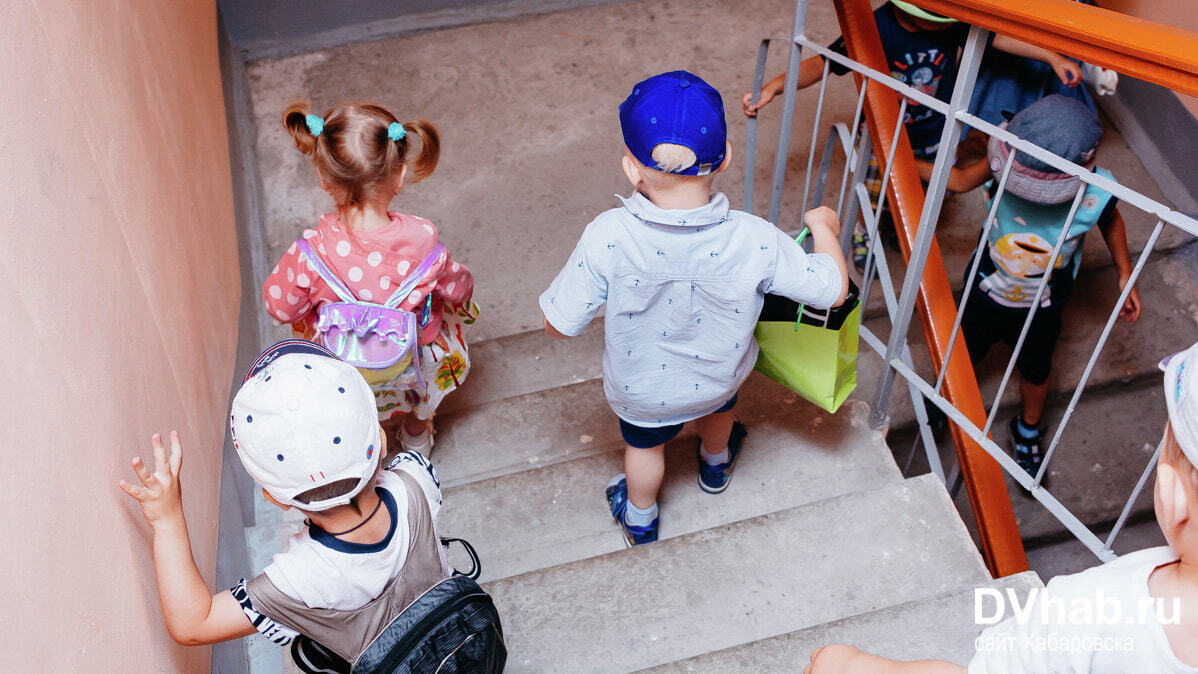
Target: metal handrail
(927,278)
(925,286)
(1149,51)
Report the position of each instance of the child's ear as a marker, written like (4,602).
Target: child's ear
(403,173)
(632,170)
(1175,507)
(727,157)
(272,500)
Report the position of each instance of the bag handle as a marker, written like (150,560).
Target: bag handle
(416,277)
(799,240)
(476,567)
(325,273)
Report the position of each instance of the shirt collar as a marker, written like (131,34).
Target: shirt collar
(712,213)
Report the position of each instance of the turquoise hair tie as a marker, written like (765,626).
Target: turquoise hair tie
(315,124)
(396,131)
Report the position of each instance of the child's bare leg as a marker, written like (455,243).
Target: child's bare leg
(417,434)
(714,430)
(416,426)
(644,470)
(1033,401)
(392,425)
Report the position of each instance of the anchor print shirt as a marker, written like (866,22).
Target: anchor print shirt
(926,60)
(683,290)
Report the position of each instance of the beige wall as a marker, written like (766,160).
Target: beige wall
(1178,13)
(119,264)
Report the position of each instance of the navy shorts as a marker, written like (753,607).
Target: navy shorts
(644,438)
(986,322)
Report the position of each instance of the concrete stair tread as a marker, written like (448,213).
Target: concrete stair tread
(749,580)
(557,513)
(568,422)
(1090,473)
(940,627)
(526,362)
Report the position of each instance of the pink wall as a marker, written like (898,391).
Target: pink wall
(119,262)
(1178,13)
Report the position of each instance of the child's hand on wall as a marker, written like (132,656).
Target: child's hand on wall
(160,496)
(832,659)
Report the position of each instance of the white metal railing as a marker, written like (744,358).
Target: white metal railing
(900,305)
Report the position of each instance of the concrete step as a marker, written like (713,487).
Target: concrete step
(940,628)
(561,424)
(1107,445)
(527,362)
(556,514)
(747,581)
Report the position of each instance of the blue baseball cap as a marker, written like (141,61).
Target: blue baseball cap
(680,108)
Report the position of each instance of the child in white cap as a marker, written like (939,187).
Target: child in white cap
(1144,605)
(684,277)
(305,426)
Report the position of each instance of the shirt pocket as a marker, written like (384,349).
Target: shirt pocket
(723,303)
(639,305)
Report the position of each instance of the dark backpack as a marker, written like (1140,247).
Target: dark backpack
(452,627)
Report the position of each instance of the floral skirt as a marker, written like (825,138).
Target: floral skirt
(444,363)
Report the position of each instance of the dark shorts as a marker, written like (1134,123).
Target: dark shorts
(644,438)
(986,322)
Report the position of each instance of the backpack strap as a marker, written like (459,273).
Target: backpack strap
(325,273)
(409,284)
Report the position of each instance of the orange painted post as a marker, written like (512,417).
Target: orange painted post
(983,478)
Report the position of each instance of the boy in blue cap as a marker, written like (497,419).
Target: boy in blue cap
(684,278)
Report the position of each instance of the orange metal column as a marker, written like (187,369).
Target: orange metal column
(984,481)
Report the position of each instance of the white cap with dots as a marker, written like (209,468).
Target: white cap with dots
(303,419)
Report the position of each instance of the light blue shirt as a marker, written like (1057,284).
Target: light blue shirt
(684,289)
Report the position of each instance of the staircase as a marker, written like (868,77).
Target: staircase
(817,540)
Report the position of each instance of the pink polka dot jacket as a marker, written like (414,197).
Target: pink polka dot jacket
(372,264)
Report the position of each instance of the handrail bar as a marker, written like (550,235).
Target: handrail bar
(905,89)
(1074,525)
(1150,51)
(1122,192)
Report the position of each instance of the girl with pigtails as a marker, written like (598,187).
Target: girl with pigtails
(363,157)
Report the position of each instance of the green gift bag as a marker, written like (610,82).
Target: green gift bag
(810,351)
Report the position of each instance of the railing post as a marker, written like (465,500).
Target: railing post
(788,109)
(946,154)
